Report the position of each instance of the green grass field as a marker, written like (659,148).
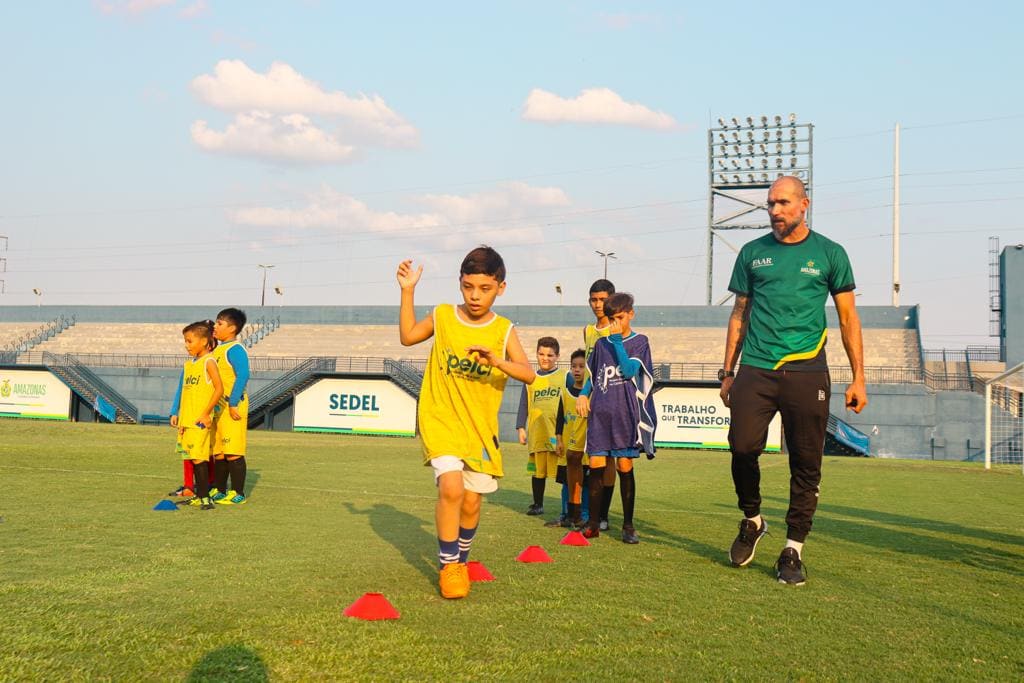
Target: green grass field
(916,571)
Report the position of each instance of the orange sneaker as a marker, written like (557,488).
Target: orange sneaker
(454,581)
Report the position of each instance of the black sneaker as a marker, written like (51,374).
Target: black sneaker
(535,510)
(629,535)
(789,569)
(742,552)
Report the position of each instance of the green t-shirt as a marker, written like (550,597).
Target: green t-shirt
(788,285)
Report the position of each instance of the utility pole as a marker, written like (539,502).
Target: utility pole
(896,219)
(263,294)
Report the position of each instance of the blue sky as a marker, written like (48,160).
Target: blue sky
(157,151)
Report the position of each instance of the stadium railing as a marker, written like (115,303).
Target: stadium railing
(90,387)
(40,334)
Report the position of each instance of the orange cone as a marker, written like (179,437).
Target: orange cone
(478,572)
(575,538)
(371,607)
(534,553)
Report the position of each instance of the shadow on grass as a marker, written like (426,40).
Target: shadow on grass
(252,478)
(833,520)
(516,501)
(405,533)
(229,663)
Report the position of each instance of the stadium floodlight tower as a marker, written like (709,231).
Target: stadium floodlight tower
(745,156)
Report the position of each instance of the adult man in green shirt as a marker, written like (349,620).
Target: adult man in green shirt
(781,282)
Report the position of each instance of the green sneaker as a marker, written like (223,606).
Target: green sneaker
(232,498)
(201,503)
(216,495)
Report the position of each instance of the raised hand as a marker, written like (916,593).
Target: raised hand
(407,276)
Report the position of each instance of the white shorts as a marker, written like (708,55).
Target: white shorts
(477,482)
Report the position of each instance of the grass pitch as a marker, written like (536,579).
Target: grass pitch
(916,571)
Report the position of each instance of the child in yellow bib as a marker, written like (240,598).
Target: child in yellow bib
(201,390)
(535,422)
(233,417)
(474,352)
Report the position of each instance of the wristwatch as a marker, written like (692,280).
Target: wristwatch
(723,373)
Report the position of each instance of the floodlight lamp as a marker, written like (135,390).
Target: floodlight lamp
(736,148)
(764,120)
(750,135)
(750,177)
(780,175)
(792,133)
(735,122)
(750,121)
(721,122)
(778,148)
(764,177)
(750,149)
(767,136)
(792,119)
(763,148)
(778,162)
(750,162)
(735,164)
(722,178)
(721,163)
(792,147)
(778,120)
(735,178)
(721,137)
(723,150)
(735,136)
(792,162)
(764,162)
(778,135)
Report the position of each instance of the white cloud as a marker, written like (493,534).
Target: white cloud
(593,105)
(291,138)
(234,86)
(130,7)
(195,10)
(500,216)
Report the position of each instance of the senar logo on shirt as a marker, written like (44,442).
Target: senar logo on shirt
(809,269)
(761,263)
(466,367)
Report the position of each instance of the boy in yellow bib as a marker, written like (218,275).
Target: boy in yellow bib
(535,421)
(233,417)
(474,352)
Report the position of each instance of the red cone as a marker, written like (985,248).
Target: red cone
(371,607)
(534,553)
(575,538)
(478,572)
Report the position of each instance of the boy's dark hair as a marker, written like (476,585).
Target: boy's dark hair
(602,285)
(578,353)
(235,316)
(483,261)
(617,303)
(548,343)
(202,328)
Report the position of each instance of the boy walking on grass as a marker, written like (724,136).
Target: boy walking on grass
(474,352)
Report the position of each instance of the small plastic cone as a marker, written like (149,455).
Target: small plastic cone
(166,506)
(534,553)
(371,607)
(478,572)
(575,538)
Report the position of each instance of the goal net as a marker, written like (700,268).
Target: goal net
(1004,419)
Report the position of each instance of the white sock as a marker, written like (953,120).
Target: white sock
(797,545)
(756,520)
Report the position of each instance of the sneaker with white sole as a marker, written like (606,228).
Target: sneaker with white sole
(230,498)
(742,552)
(790,569)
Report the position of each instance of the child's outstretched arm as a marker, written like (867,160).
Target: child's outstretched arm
(409,331)
(515,364)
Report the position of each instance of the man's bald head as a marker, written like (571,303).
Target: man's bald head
(792,184)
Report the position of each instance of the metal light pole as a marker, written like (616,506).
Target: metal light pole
(39,296)
(558,291)
(606,256)
(263,294)
(896,218)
